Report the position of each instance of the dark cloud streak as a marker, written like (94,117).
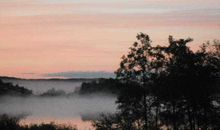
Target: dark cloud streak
(80,74)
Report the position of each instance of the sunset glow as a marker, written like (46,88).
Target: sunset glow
(39,37)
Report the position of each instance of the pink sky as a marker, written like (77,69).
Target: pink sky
(50,36)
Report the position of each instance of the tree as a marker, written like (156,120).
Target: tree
(169,86)
(142,65)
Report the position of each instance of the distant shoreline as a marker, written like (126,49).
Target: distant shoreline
(49,79)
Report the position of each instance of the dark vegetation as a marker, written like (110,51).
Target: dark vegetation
(53,92)
(167,87)
(12,123)
(109,86)
(10,89)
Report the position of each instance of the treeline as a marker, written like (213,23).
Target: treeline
(107,86)
(12,123)
(168,87)
(10,89)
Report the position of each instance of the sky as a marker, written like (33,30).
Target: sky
(70,38)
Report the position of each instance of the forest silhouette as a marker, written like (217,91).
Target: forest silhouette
(12,123)
(167,87)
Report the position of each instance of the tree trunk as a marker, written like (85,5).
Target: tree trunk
(190,118)
(145,112)
(157,113)
(174,117)
(205,119)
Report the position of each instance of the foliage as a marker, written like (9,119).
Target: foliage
(110,86)
(12,123)
(53,92)
(10,89)
(176,88)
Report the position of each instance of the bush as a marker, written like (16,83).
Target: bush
(12,123)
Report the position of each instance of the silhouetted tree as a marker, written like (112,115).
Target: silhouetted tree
(169,86)
(142,65)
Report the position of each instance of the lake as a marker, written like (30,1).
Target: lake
(75,110)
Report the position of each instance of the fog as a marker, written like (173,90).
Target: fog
(75,108)
(57,107)
(41,86)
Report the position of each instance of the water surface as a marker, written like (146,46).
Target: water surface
(72,110)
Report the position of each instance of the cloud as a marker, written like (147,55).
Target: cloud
(80,74)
